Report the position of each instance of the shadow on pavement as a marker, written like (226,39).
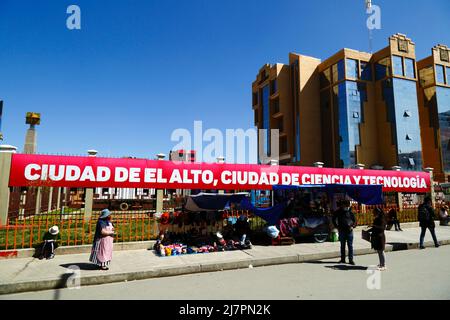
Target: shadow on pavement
(62,283)
(343,267)
(81,265)
(396,246)
(321,262)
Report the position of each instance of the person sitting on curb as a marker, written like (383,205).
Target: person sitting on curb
(50,243)
(443,215)
(242,228)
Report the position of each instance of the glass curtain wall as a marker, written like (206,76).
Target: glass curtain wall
(443,106)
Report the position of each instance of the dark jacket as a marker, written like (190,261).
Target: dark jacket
(242,227)
(393,215)
(101,224)
(48,236)
(344,220)
(378,238)
(426,216)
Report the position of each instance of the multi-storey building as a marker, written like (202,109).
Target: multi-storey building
(346,114)
(352,108)
(434,107)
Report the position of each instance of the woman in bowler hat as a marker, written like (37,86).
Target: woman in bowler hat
(102,247)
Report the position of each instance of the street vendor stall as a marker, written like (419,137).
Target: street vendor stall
(204,231)
(304,210)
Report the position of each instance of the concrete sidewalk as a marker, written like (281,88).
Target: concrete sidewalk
(30,274)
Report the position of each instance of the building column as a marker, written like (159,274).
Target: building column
(361,166)
(64,193)
(399,194)
(89,194)
(23,201)
(221,160)
(58,200)
(37,209)
(273,162)
(6,152)
(432,193)
(160,192)
(50,198)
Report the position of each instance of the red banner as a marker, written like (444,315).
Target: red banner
(90,172)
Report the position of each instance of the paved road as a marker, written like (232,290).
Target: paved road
(412,274)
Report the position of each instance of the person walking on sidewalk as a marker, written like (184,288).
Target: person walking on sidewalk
(344,220)
(426,220)
(394,219)
(102,247)
(378,238)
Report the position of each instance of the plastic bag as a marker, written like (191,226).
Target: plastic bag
(272,232)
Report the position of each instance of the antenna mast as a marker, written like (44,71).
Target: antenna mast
(368,6)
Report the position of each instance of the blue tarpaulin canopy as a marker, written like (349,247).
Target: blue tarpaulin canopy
(371,194)
(271,215)
(365,194)
(213,201)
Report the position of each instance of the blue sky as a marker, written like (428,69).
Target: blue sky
(137,70)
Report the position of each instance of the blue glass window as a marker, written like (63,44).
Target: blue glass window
(382,68)
(380,71)
(338,71)
(344,143)
(447,70)
(350,98)
(409,68)
(388,97)
(407,129)
(439,74)
(366,71)
(397,65)
(266,118)
(340,66)
(443,106)
(351,67)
